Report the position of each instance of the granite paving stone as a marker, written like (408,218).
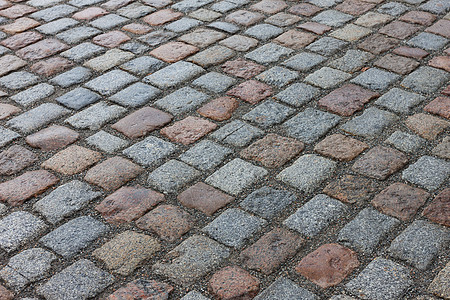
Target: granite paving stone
(400,101)
(205,155)
(328,265)
(426,126)
(33,94)
(284,288)
(314,216)
(150,151)
(52,137)
(295,39)
(81,280)
(106,142)
(277,76)
(352,61)
(19,228)
(297,94)
(304,61)
(371,123)
(194,295)
(439,286)
(202,37)
(233,227)
(242,68)
(268,53)
(268,114)
(110,59)
(428,41)
(27,267)
(25,186)
(367,230)
(267,202)
(72,160)
(442,149)
(428,172)
(418,80)
(214,82)
(378,43)
(437,210)
(182,100)
(78,34)
(68,239)
(57,26)
(309,125)
(7,110)
(142,288)
(172,176)
(188,130)
(233,282)
(327,46)
(381,279)
(315,27)
(95,116)
(142,122)
(340,147)
(239,175)
(113,173)
(115,253)
(375,79)
(351,189)
(82,51)
(406,142)
(143,65)
(15,159)
(18,80)
(420,243)
(237,133)
(327,77)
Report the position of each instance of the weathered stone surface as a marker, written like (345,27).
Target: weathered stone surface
(219,109)
(52,138)
(234,283)
(27,185)
(438,210)
(271,250)
(116,253)
(142,289)
(328,265)
(400,200)
(439,106)
(14,159)
(188,130)
(128,204)
(142,122)
(440,285)
(273,150)
(351,189)
(204,198)
(72,160)
(340,147)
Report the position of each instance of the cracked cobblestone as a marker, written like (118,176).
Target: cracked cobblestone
(203,149)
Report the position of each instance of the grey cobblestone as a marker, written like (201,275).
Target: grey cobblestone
(34,94)
(283,288)
(205,155)
(106,142)
(371,123)
(74,76)
(172,176)
(78,98)
(136,95)
(174,74)
(95,116)
(268,114)
(428,172)
(109,83)
(149,151)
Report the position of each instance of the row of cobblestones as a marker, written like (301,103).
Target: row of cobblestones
(228,149)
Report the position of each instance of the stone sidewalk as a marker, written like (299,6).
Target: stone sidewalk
(227,149)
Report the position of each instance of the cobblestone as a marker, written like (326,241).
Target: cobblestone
(182,100)
(285,288)
(172,176)
(428,172)
(52,138)
(205,155)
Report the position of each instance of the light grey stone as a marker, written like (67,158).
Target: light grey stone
(214,82)
(224,26)
(135,10)
(263,32)
(205,155)
(172,176)
(317,214)
(370,124)
(65,200)
(150,151)
(266,202)
(71,77)
(283,288)
(190,5)
(136,95)
(174,74)
(106,142)
(109,21)
(352,61)
(307,172)
(428,41)
(332,18)
(34,94)
(83,51)
(236,176)
(7,136)
(436,6)
(406,142)
(277,76)
(375,79)
(237,133)
(77,34)
(425,80)
(57,26)
(233,227)
(327,77)
(78,98)
(194,295)
(297,94)
(183,24)
(327,46)
(53,12)
(182,100)
(268,53)
(95,116)
(268,114)
(304,61)
(18,80)
(400,101)
(428,172)
(143,65)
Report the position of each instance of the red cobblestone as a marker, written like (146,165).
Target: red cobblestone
(355,7)
(416,53)
(314,27)
(19,25)
(441,62)
(234,283)
(242,68)
(162,16)
(51,66)
(10,63)
(111,39)
(426,126)
(340,147)
(244,17)
(173,51)
(5,294)
(295,39)
(439,106)
(304,9)
(399,30)
(42,49)
(328,265)
(32,183)
(72,160)
(418,17)
(251,91)
(21,40)
(439,209)
(188,130)
(7,110)
(204,198)
(137,28)
(128,204)
(90,13)
(397,64)
(219,109)
(378,44)
(142,289)
(351,189)
(441,27)
(17,11)
(269,6)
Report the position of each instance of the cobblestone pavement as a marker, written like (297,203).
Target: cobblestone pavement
(224,149)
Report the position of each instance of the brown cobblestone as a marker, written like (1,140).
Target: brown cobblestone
(204,198)
(137,28)
(162,16)
(5,294)
(304,9)
(443,148)
(202,38)
(113,173)
(21,40)
(378,44)
(52,138)
(355,7)
(173,51)
(399,30)
(51,66)
(340,147)
(439,106)
(188,130)
(72,160)
(19,25)
(27,185)
(239,42)
(347,99)
(242,68)
(439,209)
(328,265)
(440,285)
(271,250)
(251,91)
(418,17)
(273,150)
(380,162)
(295,39)
(128,204)
(400,200)
(397,64)
(167,221)
(441,27)
(426,126)
(219,109)
(42,49)
(416,53)
(142,122)
(351,189)
(116,253)
(7,110)
(15,159)
(111,39)
(142,289)
(269,6)
(233,283)
(10,63)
